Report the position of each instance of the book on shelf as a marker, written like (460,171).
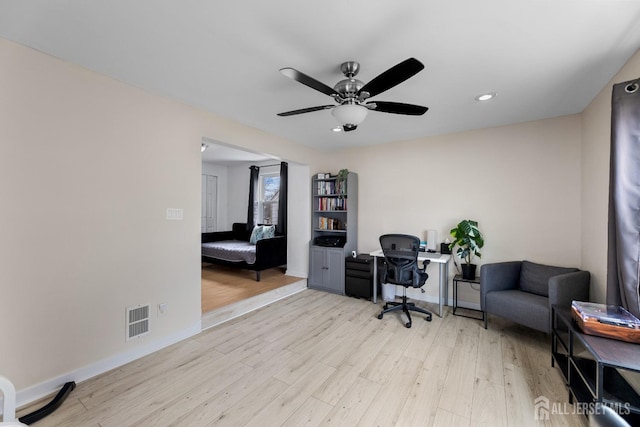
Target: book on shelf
(332,204)
(325,223)
(326,187)
(331,188)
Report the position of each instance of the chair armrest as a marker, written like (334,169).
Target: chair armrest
(565,288)
(498,276)
(217,236)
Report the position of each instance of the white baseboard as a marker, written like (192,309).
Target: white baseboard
(53,385)
(294,273)
(239,308)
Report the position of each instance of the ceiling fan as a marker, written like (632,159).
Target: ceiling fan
(352,95)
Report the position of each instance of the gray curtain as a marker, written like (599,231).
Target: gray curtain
(281,227)
(253,187)
(624,198)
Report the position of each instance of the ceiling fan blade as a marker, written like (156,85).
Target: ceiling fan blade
(308,81)
(392,77)
(399,108)
(305,110)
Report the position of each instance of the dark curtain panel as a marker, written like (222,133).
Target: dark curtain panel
(253,187)
(624,198)
(281,227)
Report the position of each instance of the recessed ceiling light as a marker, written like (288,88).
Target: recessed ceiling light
(337,129)
(485,96)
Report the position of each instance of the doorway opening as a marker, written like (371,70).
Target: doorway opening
(227,169)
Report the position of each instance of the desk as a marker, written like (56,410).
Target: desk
(441,259)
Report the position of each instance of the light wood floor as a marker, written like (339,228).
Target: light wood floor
(223,285)
(318,359)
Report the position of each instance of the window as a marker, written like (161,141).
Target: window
(268,196)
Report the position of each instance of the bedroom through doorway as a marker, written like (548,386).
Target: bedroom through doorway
(227,168)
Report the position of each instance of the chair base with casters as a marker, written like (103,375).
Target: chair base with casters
(406,307)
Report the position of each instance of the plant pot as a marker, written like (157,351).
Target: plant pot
(469,271)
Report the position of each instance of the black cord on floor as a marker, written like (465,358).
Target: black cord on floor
(39,414)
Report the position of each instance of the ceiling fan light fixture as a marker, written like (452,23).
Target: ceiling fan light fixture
(350,114)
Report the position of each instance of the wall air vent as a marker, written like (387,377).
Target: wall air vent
(137,321)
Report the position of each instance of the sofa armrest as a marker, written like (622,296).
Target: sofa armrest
(271,252)
(240,231)
(498,276)
(565,288)
(217,236)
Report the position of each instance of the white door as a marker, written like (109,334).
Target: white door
(209,203)
(203,213)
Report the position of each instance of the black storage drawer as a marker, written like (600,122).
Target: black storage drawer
(357,287)
(358,273)
(361,262)
(357,265)
(359,276)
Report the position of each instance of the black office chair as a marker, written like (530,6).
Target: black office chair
(401,268)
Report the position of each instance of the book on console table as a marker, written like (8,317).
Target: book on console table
(609,321)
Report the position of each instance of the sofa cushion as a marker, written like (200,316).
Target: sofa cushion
(256,234)
(268,231)
(522,307)
(534,277)
(262,232)
(240,231)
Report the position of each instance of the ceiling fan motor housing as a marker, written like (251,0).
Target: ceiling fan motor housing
(349,86)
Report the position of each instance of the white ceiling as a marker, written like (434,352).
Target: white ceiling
(543,58)
(223,154)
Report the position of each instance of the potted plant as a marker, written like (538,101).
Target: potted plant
(469,240)
(341,181)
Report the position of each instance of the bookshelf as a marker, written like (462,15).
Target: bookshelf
(334,208)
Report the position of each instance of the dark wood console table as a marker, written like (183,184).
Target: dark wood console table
(592,366)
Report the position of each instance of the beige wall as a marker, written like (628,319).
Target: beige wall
(520,182)
(596,137)
(88,167)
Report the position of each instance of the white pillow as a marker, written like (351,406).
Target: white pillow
(268,231)
(256,234)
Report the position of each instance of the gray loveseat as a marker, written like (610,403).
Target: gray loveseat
(523,291)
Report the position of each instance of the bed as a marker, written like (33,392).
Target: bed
(232,248)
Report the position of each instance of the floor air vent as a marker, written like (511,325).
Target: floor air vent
(137,321)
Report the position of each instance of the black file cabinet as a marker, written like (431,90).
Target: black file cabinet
(359,276)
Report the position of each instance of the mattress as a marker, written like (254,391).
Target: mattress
(231,251)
